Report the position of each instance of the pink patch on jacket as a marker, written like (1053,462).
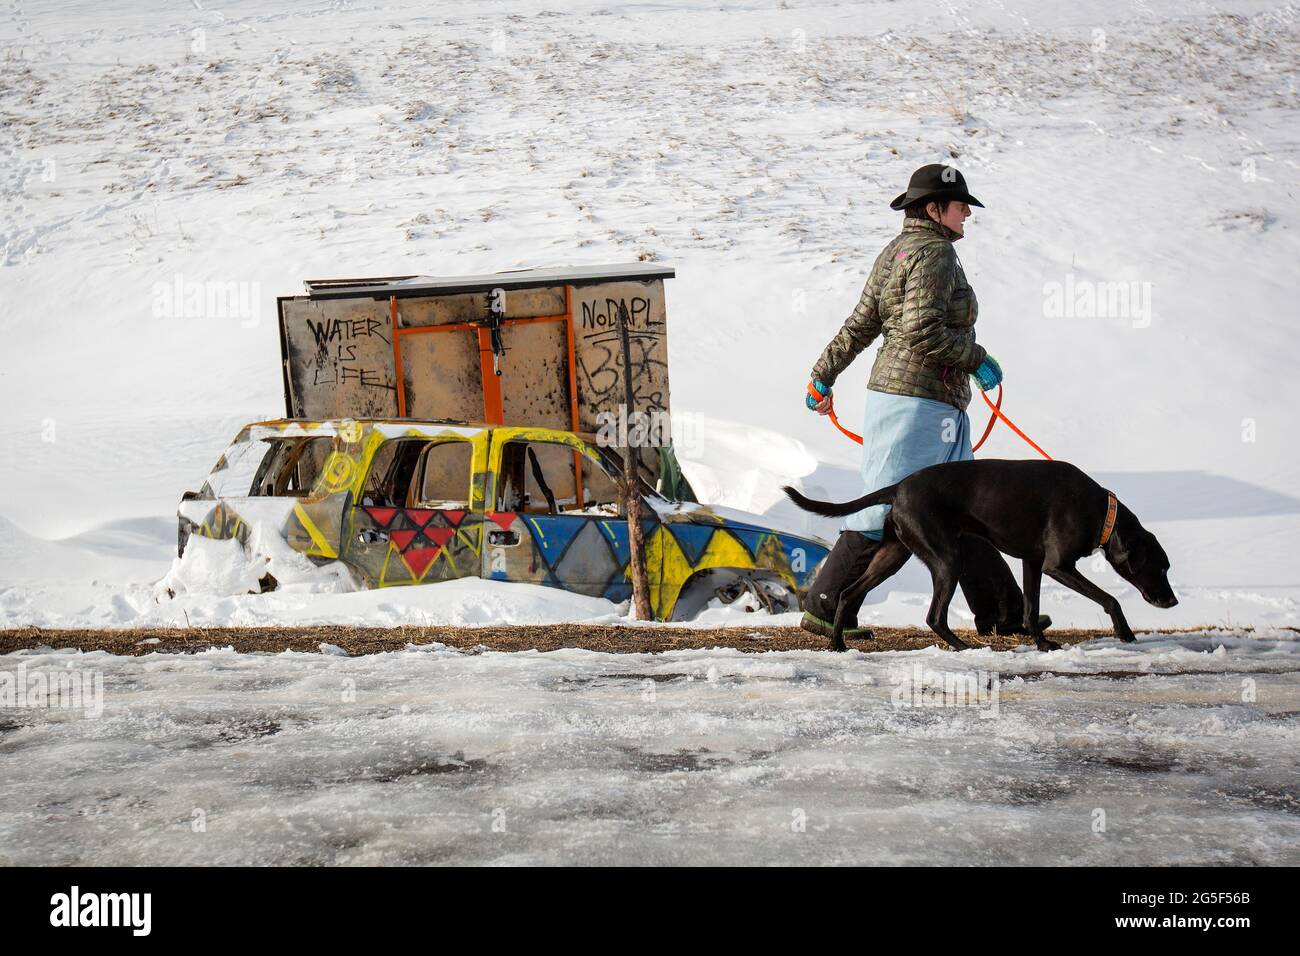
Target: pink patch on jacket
(901,255)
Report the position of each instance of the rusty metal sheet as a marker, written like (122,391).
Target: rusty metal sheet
(535,375)
(599,352)
(473,307)
(442,375)
(339,358)
(339,355)
(420,286)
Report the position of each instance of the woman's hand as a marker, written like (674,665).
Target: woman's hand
(988,375)
(822,407)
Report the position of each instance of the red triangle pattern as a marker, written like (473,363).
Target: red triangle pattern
(419,559)
(454,517)
(504,519)
(402,539)
(384,516)
(439,535)
(419,517)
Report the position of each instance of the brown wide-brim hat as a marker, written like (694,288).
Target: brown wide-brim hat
(935,182)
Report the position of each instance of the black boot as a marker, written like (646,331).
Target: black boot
(815,625)
(847,561)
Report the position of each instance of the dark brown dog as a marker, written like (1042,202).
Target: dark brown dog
(1049,514)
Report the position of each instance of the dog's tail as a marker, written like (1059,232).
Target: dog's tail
(831,509)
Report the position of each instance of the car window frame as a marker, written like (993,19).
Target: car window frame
(417,480)
(575,443)
(417,476)
(285,456)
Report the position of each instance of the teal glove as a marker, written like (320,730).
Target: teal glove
(988,375)
(822,390)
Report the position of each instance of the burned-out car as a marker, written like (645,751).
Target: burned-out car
(415,502)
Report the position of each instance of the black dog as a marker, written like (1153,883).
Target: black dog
(1047,513)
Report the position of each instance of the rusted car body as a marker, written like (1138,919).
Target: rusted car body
(414,502)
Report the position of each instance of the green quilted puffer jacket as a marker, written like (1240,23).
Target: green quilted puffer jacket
(918,297)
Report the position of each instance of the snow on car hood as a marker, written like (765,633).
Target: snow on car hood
(680,510)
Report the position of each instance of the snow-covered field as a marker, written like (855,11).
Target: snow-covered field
(1176,751)
(755,146)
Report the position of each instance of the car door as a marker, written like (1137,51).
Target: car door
(418,519)
(554,515)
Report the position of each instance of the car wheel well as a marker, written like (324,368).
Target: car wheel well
(770,590)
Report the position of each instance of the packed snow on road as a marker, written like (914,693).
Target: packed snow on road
(1174,751)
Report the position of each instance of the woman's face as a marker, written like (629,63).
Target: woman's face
(953,217)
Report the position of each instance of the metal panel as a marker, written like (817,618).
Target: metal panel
(313,285)
(339,354)
(473,307)
(535,375)
(339,358)
(522,279)
(442,375)
(599,352)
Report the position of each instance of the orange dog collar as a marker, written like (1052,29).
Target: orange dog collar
(1112,506)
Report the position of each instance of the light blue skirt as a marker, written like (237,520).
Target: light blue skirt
(902,434)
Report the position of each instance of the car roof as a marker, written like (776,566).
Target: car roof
(328,426)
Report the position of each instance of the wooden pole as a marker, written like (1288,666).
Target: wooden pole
(631,496)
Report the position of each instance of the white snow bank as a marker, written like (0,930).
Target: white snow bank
(214,567)
(769,196)
(232,567)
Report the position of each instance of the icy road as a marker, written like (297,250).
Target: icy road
(1178,750)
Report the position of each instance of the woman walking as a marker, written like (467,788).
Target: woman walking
(918,299)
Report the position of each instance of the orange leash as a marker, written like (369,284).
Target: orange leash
(992,420)
(834,420)
(996,409)
(1010,424)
